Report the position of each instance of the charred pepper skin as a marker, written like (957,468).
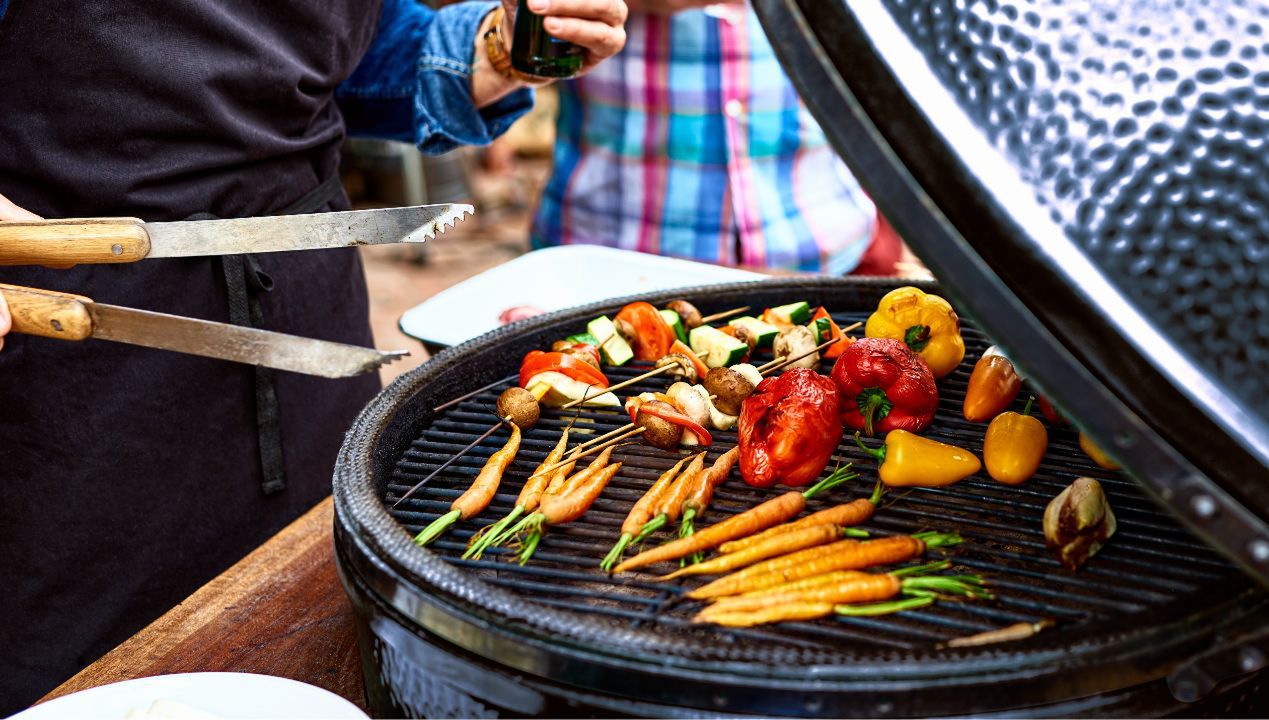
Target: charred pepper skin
(926,323)
(788,429)
(884,386)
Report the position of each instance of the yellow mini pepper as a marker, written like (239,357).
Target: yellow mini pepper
(909,460)
(1014,446)
(927,323)
(1096,454)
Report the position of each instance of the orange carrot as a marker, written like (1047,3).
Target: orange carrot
(567,486)
(531,493)
(699,498)
(640,514)
(776,545)
(800,611)
(566,506)
(804,583)
(845,515)
(479,494)
(530,496)
(841,555)
(863,588)
(760,517)
(671,504)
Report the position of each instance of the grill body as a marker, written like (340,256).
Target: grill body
(445,637)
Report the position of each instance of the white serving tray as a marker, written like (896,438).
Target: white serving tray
(553,279)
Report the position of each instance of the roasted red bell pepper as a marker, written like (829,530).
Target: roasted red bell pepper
(539,362)
(839,347)
(652,336)
(789,428)
(885,386)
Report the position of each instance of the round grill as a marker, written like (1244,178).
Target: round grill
(1150,599)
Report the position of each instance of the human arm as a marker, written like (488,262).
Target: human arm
(427,78)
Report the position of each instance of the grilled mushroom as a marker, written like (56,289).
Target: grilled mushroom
(747,336)
(729,389)
(684,370)
(688,313)
(694,404)
(625,329)
(658,433)
(520,405)
(794,341)
(568,348)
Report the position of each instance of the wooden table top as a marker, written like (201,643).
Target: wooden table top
(278,611)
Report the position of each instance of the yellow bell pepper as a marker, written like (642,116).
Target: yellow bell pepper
(1096,454)
(909,460)
(1014,446)
(927,323)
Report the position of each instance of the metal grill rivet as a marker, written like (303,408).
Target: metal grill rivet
(813,704)
(116,249)
(1259,551)
(720,700)
(1125,439)
(884,708)
(57,325)
(1250,659)
(1204,506)
(1185,690)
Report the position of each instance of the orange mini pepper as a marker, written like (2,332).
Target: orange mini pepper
(909,460)
(927,323)
(1014,446)
(993,385)
(1095,453)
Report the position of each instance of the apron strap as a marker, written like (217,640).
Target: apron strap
(245,282)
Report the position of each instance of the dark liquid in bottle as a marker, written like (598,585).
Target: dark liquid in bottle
(535,52)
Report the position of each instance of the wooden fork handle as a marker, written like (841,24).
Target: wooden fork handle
(73,241)
(47,313)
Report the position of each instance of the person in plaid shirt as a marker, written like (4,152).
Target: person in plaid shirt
(693,143)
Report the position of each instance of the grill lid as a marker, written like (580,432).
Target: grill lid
(1091,181)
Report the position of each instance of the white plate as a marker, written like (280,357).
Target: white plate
(215,694)
(553,279)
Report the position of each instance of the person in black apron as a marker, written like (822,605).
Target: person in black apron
(130,476)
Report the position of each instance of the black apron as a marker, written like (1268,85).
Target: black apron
(130,476)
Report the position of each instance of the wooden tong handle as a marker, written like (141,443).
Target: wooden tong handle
(49,314)
(73,241)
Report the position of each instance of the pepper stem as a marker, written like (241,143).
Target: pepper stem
(878,453)
(883,608)
(873,406)
(438,526)
(1026,409)
(839,476)
(917,337)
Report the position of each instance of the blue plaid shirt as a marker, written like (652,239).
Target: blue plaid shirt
(692,143)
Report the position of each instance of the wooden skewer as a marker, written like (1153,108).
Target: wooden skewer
(605,436)
(724,314)
(502,421)
(474,393)
(624,384)
(598,448)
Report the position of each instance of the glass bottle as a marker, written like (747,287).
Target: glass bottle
(535,52)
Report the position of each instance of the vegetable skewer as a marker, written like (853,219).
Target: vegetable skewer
(760,517)
(478,496)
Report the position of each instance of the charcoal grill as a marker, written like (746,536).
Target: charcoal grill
(1158,623)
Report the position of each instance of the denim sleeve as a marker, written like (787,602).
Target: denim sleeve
(414,84)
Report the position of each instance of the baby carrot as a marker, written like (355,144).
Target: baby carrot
(699,498)
(845,515)
(811,611)
(479,495)
(773,546)
(863,588)
(566,507)
(760,517)
(640,514)
(841,555)
(557,486)
(527,501)
(671,504)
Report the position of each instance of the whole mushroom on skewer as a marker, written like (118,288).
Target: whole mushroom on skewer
(797,341)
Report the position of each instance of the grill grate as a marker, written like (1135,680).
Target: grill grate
(1152,565)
